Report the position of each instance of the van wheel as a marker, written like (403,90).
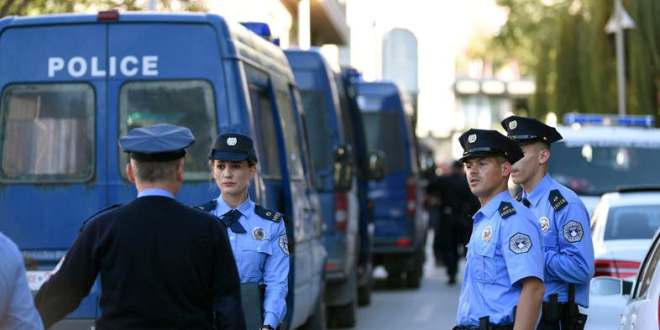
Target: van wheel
(345,316)
(364,292)
(318,319)
(414,276)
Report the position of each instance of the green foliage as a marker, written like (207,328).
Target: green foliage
(563,44)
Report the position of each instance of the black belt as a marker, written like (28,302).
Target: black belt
(491,327)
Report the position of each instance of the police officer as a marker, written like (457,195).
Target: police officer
(17,310)
(257,235)
(564,222)
(503,282)
(163,265)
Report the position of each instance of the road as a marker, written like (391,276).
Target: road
(432,307)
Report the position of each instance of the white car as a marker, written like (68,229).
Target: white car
(622,228)
(643,310)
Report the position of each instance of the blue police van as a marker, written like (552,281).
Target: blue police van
(73,84)
(400,224)
(332,138)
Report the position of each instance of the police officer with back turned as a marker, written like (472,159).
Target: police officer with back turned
(503,282)
(564,222)
(162,265)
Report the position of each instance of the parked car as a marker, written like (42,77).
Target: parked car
(623,225)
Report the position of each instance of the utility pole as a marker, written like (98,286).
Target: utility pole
(618,23)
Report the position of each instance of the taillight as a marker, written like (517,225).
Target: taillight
(108,16)
(411,198)
(341,211)
(403,242)
(616,268)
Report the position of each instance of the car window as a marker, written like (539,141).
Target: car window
(47,133)
(632,222)
(384,132)
(647,270)
(184,103)
(317,121)
(292,137)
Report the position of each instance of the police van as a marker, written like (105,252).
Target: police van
(71,85)
(400,224)
(602,153)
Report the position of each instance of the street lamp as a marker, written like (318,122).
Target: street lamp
(619,22)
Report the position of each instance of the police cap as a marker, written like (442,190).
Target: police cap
(525,130)
(157,143)
(233,147)
(481,142)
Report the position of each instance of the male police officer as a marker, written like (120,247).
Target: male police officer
(503,282)
(564,222)
(163,265)
(17,310)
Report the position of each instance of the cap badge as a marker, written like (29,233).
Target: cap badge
(231,141)
(513,124)
(472,138)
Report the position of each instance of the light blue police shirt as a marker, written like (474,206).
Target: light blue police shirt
(17,311)
(262,257)
(155,192)
(505,247)
(569,251)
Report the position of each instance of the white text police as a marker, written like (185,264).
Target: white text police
(127,66)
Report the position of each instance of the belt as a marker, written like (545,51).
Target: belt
(491,327)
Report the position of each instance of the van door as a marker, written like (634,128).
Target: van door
(154,83)
(52,139)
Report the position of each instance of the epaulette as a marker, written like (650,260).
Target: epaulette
(557,201)
(506,210)
(268,214)
(208,206)
(101,211)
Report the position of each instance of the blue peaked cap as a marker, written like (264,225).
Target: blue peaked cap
(160,142)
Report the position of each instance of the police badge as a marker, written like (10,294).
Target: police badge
(545,224)
(283,242)
(231,141)
(573,231)
(258,233)
(487,234)
(472,138)
(520,243)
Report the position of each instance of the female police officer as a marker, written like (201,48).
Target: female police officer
(257,236)
(502,286)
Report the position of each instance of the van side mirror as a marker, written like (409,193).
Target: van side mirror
(609,286)
(376,165)
(343,170)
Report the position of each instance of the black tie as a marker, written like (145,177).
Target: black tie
(526,202)
(230,219)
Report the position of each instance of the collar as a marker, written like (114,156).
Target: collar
(155,192)
(539,191)
(244,207)
(487,211)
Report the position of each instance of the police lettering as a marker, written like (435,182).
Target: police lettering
(127,66)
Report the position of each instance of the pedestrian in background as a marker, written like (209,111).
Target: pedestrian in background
(503,282)
(162,265)
(257,235)
(17,310)
(564,223)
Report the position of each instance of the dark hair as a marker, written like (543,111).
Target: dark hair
(156,171)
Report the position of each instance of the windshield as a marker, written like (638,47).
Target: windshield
(593,170)
(384,132)
(632,222)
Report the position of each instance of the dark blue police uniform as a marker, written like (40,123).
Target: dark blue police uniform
(162,265)
(505,247)
(564,222)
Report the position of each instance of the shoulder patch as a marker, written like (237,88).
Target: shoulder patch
(268,214)
(520,243)
(208,206)
(506,210)
(101,211)
(557,201)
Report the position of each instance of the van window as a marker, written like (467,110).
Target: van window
(47,133)
(268,152)
(187,103)
(291,134)
(384,132)
(317,122)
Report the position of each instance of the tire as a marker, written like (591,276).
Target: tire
(345,316)
(414,276)
(364,293)
(318,320)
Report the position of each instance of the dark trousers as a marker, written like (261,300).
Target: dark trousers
(445,242)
